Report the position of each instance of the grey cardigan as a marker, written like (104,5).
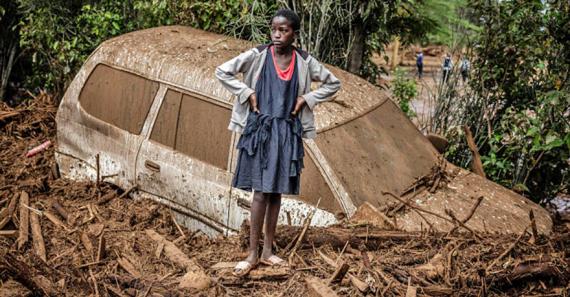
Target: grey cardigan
(250,64)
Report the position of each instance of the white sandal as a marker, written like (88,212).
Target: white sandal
(272,261)
(243,268)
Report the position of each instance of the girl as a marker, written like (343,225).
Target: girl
(273,111)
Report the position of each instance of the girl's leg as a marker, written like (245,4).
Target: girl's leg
(272,214)
(258,207)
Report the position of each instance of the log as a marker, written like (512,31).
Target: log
(269,273)
(38,239)
(7,213)
(28,276)
(337,237)
(317,288)
(24,219)
(476,164)
(200,280)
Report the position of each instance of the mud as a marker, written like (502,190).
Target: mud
(380,262)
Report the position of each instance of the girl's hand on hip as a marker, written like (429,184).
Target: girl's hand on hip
(300,102)
(253,103)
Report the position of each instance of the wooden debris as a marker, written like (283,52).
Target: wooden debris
(56,221)
(471,212)
(38,239)
(269,273)
(369,214)
(95,285)
(116,292)
(24,219)
(108,197)
(339,273)
(317,288)
(7,213)
(28,275)
(129,267)
(303,231)
(86,241)
(199,279)
(101,248)
(534,233)
(411,291)
(506,252)
(8,233)
(476,164)
(223,265)
(60,210)
(337,237)
(358,284)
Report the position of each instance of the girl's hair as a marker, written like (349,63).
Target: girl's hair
(291,16)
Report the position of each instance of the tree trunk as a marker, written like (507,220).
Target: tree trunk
(357,50)
(6,68)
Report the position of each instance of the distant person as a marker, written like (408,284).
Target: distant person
(446,66)
(464,68)
(420,63)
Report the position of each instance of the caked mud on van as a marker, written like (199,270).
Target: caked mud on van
(148,104)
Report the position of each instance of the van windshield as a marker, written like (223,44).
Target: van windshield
(380,151)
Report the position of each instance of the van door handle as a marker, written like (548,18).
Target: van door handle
(152,166)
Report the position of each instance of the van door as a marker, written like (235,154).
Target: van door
(106,120)
(183,162)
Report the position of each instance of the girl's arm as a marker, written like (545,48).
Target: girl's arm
(226,74)
(330,84)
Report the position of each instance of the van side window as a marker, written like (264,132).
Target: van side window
(194,127)
(164,130)
(117,97)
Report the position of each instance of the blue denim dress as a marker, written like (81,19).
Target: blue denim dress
(271,147)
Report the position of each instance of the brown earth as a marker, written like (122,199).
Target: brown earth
(379,262)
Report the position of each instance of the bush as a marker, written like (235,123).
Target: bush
(404,90)
(518,102)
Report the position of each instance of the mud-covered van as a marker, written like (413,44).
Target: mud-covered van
(149,105)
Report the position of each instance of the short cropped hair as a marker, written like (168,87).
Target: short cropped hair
(291,16)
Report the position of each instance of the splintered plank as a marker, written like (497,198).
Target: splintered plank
(24,219)
(38,239)
(129,267)
(8,233)
(6,213)
(318,288)
(195,277)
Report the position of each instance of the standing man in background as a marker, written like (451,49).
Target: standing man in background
(447,66)
(420,63)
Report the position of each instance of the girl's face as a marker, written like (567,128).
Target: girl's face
(282,34)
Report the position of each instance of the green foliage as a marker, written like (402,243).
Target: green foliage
(520,101)
(404,90)
(452,21)
(59,36)
(247,19)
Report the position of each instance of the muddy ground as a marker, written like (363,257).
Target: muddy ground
(97,241)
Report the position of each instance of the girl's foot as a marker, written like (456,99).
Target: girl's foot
(244,267)
(272,261)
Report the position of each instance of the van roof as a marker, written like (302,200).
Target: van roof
(187,58)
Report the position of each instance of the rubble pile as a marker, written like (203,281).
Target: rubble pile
(66,238)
